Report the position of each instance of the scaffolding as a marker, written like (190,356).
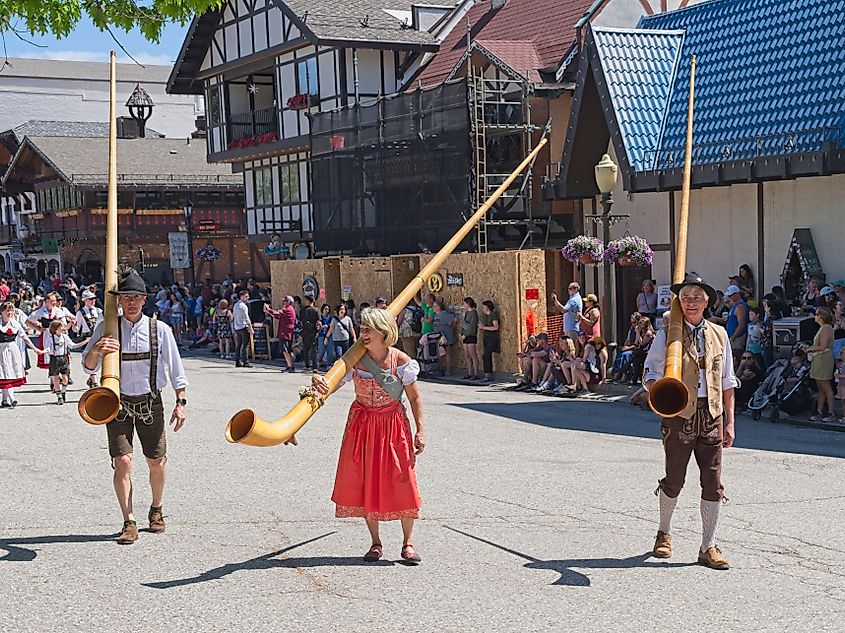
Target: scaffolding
(502,134)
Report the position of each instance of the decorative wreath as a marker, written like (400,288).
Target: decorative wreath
(208,253)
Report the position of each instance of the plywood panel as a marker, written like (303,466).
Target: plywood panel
(286,277)
(501,277)
(367,277)
(403,270)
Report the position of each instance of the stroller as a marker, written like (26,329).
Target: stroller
(789,397)
(428,352)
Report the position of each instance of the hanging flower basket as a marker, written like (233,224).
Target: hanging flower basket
(583,249)
(29,262)
(208,253)
(302,101)
(630,250)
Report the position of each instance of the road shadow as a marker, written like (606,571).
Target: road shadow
(17,553)
(619,419)
(265,561)
(566,568)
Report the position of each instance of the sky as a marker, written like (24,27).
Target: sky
(87,43)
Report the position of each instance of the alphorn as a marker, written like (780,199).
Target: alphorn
(102,404)
(246,427)
(668,396)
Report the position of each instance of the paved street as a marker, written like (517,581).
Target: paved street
(538,516)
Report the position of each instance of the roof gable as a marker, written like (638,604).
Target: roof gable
(768,78)
(638,69)
(547,25)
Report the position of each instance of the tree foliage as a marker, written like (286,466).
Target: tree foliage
(60,17)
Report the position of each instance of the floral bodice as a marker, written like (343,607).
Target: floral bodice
(368,391)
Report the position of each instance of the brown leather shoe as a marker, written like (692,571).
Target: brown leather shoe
(156,520)
(713,559)
(129,533)
(662,545)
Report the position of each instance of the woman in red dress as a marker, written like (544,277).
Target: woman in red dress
(376,476)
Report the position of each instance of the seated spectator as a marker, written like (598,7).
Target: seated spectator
(534,364)
(524,360)
(750,376)
(202,338)
(589,370)
(558,370)
(811,299)
(828,298)
(626,353)
(645,337)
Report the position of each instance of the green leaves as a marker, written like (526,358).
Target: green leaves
(60,17)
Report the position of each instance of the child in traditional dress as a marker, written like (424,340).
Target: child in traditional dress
(12,371)
(58,344)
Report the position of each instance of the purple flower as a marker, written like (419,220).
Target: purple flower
(631,247)
(583,246)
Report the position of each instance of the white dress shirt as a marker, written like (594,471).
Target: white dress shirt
(135,374)
(655,363)
(240,316)
(56,314)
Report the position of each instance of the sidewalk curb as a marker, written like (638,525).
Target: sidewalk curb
(502,380)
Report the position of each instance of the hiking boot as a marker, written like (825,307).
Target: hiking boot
(129,533)
(713,559)
(663,546)
(156,520)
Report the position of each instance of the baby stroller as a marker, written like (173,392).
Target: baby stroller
(789,397)
(428,352)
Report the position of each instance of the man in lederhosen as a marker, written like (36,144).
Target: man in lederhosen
(708,373)
(148,354)
(87,318)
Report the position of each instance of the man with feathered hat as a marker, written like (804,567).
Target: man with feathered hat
(148,355)
(707,372)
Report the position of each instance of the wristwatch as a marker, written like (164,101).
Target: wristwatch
(181,401)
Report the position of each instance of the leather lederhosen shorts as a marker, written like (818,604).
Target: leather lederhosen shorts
(149,423)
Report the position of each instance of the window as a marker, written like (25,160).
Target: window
(263,187)
(215,114)
(101,199)
(233,198)
(173,200)
(289,182)
(147,199)
(306,77)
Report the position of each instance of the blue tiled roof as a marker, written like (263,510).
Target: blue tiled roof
(769,80)
(639,69)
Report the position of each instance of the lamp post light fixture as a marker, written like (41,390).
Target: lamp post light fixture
(188,209)
(23,231)
(606,173)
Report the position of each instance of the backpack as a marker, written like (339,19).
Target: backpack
(416,320)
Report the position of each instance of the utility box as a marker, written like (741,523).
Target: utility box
(791,330)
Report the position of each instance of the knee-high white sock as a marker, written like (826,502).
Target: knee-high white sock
(9,395)
(709,520)
(667,507)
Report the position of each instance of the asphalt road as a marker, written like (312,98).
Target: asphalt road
(538,515)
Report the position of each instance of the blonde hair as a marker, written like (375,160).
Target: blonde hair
(223,305)
(381,321)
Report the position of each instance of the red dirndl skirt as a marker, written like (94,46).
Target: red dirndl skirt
(43,359)
(375,471)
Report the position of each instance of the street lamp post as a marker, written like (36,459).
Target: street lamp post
(189,211)
(606,171)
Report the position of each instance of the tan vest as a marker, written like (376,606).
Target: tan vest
(715,339)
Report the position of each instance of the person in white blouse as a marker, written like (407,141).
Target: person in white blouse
(41,319)
(708,373)
(376,476)
(148,356)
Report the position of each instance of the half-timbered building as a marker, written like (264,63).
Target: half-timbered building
(265,66)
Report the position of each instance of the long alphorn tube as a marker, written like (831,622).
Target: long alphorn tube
(101,404)
(246,427)
(668,396)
